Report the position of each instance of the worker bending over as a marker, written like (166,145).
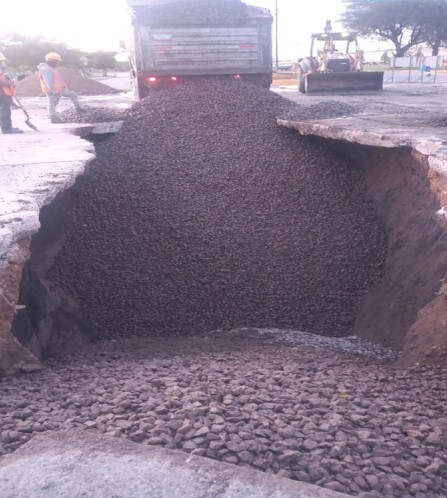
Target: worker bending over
(54,87)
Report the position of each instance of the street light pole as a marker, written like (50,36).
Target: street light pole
(276,32)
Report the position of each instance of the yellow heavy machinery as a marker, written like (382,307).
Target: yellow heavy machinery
(332,70)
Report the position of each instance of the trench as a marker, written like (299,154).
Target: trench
(398,185)
(202,214)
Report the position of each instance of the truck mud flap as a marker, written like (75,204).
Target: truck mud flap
(343,83)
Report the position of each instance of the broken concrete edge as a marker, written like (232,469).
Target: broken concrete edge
(20,211)
(14,358)
(97,129)
(84,463)
(434,152)
(434,149)
(17,226)
(20,208)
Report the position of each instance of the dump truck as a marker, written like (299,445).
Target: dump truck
(337,66)
(177,40)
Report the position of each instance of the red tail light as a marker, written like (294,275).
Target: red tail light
(151,79)
(174,78)
(237,76)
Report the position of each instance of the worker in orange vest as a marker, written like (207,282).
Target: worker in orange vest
(6,92)
(54,87)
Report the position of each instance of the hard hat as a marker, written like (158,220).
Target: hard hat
(53,56)
(2,58)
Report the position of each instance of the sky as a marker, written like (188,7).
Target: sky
(101,24)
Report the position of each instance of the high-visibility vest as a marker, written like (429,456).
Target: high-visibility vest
(57,82)
(6,86)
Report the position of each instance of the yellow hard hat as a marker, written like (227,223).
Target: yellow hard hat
(53,56)
(2,58)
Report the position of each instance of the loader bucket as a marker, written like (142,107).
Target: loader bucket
(343,83)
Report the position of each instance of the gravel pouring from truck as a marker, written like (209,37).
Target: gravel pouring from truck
(173,40)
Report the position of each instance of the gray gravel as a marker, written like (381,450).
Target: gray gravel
(202,213)
(346,423)
(324,110)
(92,115)
(351,344)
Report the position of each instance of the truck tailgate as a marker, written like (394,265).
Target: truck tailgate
(189,48)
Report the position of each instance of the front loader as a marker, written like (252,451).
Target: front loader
(330,71)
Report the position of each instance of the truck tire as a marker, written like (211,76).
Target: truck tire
(143,91)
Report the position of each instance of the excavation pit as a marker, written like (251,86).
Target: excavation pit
(369,218)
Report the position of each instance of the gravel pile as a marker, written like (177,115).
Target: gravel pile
(324,110)
(313,415)
(169,10)
(350,344)
(92,115)
(30,86)
(202,213)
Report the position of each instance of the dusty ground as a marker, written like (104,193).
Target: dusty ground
(348,423)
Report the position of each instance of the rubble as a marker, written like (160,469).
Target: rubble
(301,411)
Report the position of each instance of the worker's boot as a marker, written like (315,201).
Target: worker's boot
(56,119)
(12,130)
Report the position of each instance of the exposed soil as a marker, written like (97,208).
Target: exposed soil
(202,213)
(30,86)
(408,196)
(347,423)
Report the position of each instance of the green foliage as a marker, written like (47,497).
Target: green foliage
(101,60)
(30,51)
(406,23)
(27,52)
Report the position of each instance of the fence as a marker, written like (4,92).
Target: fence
(417,68)
(414,69)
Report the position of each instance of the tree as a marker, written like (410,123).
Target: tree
(28,52)
(405,23)
(102,60)
(435,24)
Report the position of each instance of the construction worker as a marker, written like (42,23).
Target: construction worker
(54,87)
(6,93)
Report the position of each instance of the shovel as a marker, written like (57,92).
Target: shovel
(27,121)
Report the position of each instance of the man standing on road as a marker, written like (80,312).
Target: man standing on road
(6,93)
(54,87)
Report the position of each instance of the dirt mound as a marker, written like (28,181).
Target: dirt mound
(202,213)
(30,86)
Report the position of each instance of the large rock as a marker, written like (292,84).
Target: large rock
(75,464)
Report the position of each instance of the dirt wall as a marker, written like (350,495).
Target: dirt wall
(407,310)
(51,322)
(14,358)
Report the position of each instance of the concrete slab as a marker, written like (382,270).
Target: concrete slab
(35,167)
(400,116)
(80,464)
